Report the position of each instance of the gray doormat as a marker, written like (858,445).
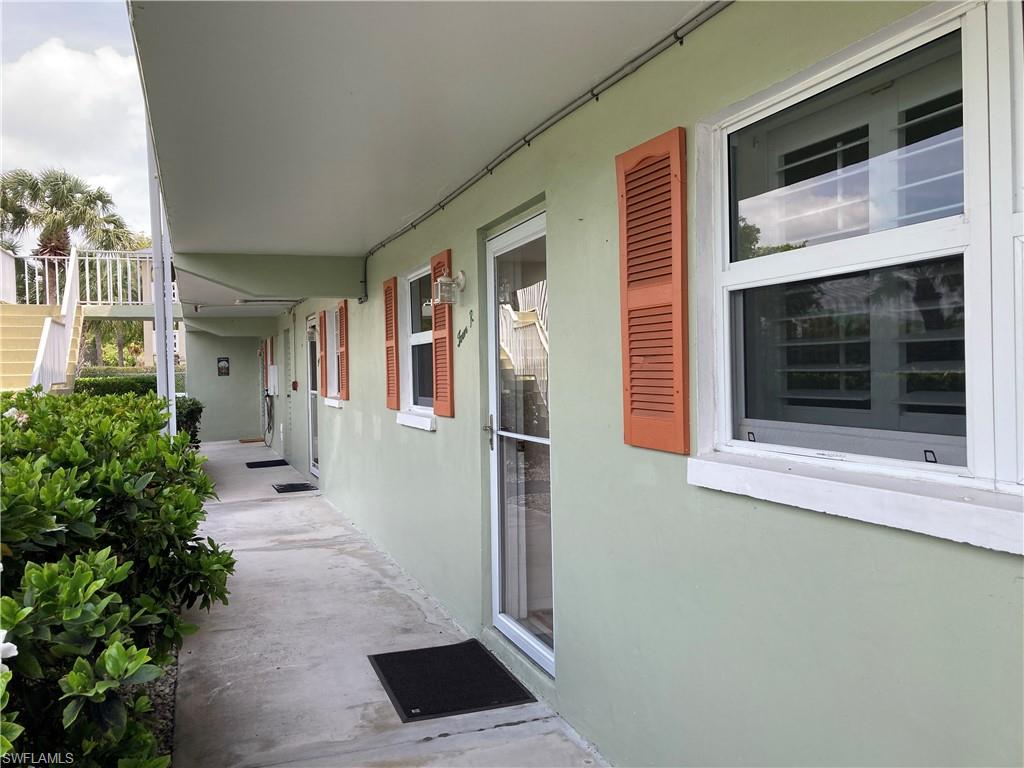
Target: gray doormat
(447,680)
(293,487)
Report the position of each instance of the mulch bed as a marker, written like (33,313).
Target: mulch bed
(161,693)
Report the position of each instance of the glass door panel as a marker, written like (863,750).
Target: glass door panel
(522,325)
(313,391)
(525,496)
(521,467)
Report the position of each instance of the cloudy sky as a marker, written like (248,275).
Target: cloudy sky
(71,97)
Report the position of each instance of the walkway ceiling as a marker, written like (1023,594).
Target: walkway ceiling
(200,297)
(318,129)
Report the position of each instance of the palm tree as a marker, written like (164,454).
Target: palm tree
(122,332)
(58,205)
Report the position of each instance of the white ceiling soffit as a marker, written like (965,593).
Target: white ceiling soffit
(215,300)
(320,128)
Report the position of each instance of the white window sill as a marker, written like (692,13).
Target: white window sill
(332,402)
(980,517)
(417,420)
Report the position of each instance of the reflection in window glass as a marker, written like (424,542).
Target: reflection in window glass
(883,150)
(526,536)
(421,310)
(522,306)
(423,375)
(879,352)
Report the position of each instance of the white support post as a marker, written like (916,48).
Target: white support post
(163,308)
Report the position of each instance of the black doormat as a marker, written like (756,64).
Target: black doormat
(446,680)
(264,464)
(293,487)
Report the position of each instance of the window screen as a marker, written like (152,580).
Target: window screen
(879,352)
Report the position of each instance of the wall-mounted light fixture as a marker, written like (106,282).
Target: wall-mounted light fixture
(447,287)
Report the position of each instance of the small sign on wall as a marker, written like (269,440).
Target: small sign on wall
(223,366)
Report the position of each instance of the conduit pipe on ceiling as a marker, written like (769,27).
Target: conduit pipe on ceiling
(675,37)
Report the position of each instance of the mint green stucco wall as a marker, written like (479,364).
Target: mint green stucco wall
(231,403)
(693,627)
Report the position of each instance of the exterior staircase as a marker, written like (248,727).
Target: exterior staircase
(21,327)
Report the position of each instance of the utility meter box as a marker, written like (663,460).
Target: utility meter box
(271,379)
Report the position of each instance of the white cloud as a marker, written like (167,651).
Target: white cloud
(83,112)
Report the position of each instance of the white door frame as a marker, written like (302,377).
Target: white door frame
(288,369)
(529,230)
(312,388)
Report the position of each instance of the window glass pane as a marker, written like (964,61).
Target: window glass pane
(869,362)
(312,342)
(423,375)
(883,150)
(522,302)
(332,357)
(420,307)
(525,497)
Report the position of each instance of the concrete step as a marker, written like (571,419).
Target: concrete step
(18,368)
(28,310)
(17,355)
(16,337)
(19,321)
(14,381)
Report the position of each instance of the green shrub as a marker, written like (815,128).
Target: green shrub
(101,371)
(99,541)
(139,384)
(189,410)
(97,371)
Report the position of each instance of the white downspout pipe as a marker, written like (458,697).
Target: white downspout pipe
(163,306)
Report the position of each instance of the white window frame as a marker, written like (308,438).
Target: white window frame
(981,504)
(331,318)
(411,414)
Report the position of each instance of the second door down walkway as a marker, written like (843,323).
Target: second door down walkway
(280,676)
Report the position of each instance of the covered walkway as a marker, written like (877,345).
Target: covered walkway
(280,677)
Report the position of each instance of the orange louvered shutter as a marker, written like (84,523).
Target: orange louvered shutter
(263,357)
(271,350)
(444,376)
(391,342)
(343,350)
(652,263)
(322,327)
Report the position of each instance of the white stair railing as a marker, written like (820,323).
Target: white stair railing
(525,342)
(51,363)
(43,279)
(116,277)
(105,278)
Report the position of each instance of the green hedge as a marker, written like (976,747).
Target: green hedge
(102,371)
(139,384)
(99,535)
(189,410)
(96,371)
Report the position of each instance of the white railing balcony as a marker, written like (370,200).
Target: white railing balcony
(105,278)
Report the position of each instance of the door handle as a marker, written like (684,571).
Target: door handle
(489,429)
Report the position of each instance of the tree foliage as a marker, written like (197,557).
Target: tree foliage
(57,206)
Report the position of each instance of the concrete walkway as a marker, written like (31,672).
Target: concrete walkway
(280,677)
